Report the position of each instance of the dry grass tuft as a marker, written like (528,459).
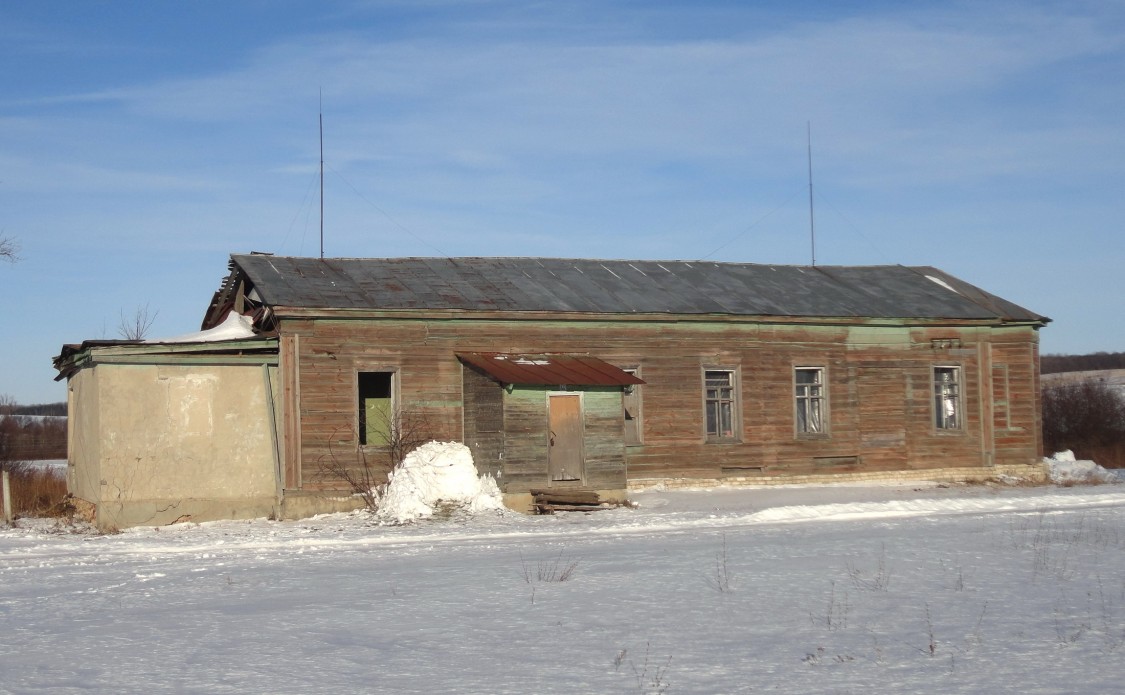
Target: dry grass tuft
(38,492)
(560,569)
(1011,481)
(1082,482)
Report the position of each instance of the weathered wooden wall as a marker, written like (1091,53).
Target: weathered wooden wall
(484,421)
(879,388)
(525,456)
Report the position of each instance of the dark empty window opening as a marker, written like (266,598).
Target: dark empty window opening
(376,408)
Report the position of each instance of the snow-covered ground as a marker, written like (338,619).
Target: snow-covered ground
(58,465)
(23,419)
(844,589)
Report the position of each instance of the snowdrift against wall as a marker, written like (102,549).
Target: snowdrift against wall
(437,475)
(1063,468)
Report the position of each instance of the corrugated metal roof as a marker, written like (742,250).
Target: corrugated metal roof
(547,370)
(615,287)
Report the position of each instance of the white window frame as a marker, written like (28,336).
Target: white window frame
(947,398)
(730,401)
(810,402)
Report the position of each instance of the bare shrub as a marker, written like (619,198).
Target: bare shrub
(355,470)
(651,678)
(931,643)
(1107,456)
(560,569)
(836,612)
(363,470)
(878,579)
(1087,417)
(1055,544)
(9,249)
(1099,617)
(136,327)
(720,580)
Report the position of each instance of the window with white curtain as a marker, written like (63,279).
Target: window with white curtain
(808,383)
(947,398)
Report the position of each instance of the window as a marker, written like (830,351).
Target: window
(719,403)
(631,404)
(376,407)
(1001,412)
(809,389)
(947,398)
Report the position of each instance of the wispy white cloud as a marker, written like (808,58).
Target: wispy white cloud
(609,129)
(872,86)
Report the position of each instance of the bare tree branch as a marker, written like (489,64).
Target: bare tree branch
(137,327)
(9,249)
(364,471)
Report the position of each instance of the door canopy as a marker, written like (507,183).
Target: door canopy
(548,369)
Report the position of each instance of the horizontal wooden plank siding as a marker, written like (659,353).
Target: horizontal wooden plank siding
(878,386)
(484,421)
(604,438)
(526,438)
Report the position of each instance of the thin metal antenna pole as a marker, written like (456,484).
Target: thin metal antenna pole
(321,115)
(812,223)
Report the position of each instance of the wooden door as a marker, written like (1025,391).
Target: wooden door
(564,449)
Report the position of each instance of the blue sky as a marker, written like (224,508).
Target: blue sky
(143,142)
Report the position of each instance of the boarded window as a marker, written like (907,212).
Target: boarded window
(947,398)
(631,405)
(376,407)
(809,389)
(719,403)
(1002,414)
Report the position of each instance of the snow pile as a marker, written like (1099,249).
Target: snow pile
(1063,468)
(437,475)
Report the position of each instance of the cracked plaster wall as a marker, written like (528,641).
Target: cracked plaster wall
(155,444)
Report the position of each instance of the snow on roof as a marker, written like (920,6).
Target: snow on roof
(941,282)
(233,327)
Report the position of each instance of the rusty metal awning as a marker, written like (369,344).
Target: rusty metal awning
(549,369)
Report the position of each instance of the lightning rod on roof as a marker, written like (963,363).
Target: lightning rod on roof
(320,114)
(812,223)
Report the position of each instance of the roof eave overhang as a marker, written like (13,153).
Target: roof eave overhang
(92,353)
(292,312)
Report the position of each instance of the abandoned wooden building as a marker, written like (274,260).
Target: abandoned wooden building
(558,374)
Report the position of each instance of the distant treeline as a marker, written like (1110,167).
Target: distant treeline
(1052,364)
(30,438)
(41,409)
(30,433)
